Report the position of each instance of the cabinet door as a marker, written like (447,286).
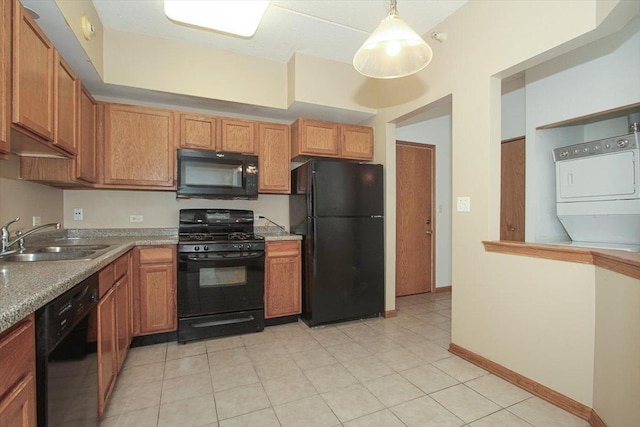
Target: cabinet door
(283,279)
(65,93)
(18,408)
(315,137)
(238,136)
(86,156)
(5,76)
(33,73)
(106,348)
(356,142)
(274,154)
(123,332)
(198,131)
(139,146)
(158,309)
(17,375)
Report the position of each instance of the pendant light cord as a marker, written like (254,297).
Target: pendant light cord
(394,8)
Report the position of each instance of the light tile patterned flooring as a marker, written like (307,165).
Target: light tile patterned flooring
(376,372)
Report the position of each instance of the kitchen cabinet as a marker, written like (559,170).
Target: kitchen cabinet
(107,352)
(138,148)
(17,376)
(154,295)
(33,76)
(283,273)
(198,131)
(85,162)
(274,152)
(65,94)
(5,77)
(512,190)
(356,142)
(238,136)
(317,138)
(314,138)
(114,325)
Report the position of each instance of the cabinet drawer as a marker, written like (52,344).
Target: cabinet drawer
(121,266)
(154,255)
(283,248)
(17,354)
(105,279)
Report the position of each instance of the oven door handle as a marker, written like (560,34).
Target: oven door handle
(253,255)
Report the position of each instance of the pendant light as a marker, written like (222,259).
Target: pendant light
(393,50)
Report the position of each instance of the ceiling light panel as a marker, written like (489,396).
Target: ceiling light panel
(234,17)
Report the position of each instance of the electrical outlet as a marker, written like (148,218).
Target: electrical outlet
(464,204)
(36,221)
(135,218)
(78,214)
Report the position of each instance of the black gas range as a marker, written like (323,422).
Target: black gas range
(220,274)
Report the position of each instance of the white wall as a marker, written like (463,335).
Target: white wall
(597,77)
(112,208)
(513,109)
(437,131)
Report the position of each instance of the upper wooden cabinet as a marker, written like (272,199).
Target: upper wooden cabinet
(356,142)
(18,380)
(33,76)
(317,138)
(238,136)
(139,148)
(87,119)
(274,151)
(5,77)
(198,131)
(282,286)
(314,138)
(65,91)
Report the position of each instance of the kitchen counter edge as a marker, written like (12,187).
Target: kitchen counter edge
(27,286)
(272,237)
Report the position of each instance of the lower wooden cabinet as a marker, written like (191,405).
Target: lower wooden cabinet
(17,375)
(107,356)
(114,325)
(155,308)
(283,273)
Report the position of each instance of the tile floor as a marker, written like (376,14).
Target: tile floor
(376,372)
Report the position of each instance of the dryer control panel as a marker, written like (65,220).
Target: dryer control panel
(594,148)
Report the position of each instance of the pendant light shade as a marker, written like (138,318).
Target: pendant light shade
(393,50)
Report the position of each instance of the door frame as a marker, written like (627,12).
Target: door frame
(432,147)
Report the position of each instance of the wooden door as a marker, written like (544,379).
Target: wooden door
(356,142)
(512,190)
(86,157)
(122,318)
(238,136)
(5,77)
(198,131)
(106,348)
(415,183)
(139,146)
(33,71)
(274,156)
(65,91)
(283,272)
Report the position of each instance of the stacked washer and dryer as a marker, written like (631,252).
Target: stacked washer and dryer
(598,191)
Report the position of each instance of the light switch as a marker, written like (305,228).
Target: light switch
(464,204)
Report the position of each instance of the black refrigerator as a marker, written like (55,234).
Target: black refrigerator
(338,208)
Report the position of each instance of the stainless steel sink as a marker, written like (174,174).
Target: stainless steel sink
(48,256)
(74,252)
(69,248)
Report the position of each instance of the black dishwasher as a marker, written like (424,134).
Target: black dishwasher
(66,358)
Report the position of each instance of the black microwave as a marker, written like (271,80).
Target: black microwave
(213,175)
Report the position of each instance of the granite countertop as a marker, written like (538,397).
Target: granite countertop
(271,233)
(27,286)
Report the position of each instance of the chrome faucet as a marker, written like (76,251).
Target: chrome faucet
(6,235)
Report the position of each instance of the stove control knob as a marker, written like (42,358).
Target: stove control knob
(248,246)
(206,248)
(196,248)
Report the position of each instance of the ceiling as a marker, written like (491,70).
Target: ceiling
(331,29)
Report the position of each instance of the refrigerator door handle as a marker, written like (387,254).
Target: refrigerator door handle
(377,216)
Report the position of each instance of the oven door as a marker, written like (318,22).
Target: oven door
(215,283)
